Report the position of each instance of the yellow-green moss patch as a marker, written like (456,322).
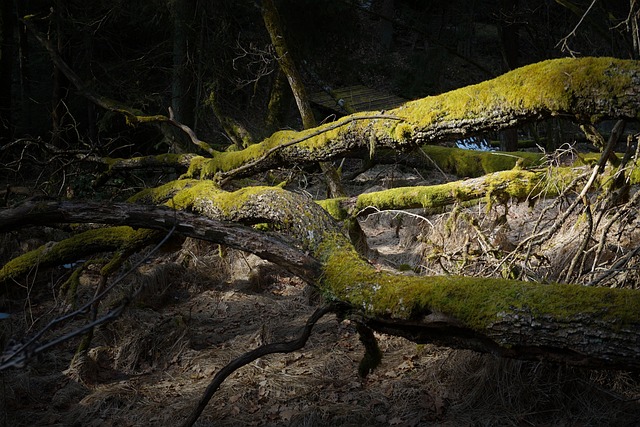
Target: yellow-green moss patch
(334,208)
(472,163)
(517,184)
(73,248)
(551,86)
(476,302)
(162,193)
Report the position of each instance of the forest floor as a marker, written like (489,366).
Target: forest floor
(203,306)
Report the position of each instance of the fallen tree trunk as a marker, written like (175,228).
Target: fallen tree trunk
(577,325)
(518,185)
(585,326)
(270,247)
(585,90)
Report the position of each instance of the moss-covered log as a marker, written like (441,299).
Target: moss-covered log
(474,163)
(509,318)
(516,184)
(586,326)
(593,327)
(79,246)
(585,90)
(267,246)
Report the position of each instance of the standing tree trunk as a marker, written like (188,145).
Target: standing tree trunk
(288,66)
(279,100)
(386,8)
(182,96)
(7,18)
(286,62)
(60,82)
(24,97)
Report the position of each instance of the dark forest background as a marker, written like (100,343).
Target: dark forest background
(213,60)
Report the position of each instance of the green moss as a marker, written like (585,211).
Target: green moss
(70,286)
(189,191)
(471,163)
(516,184)
(22,264)
(513,184)
(405,267)
(160,195)
(411,197)
(79,245)
(402,132)
(185,194)
(167,159)
(553,86)
(334,208)
(204,168)
(476,302)
(550,87)
(322,139)
(226,201)
(634,176)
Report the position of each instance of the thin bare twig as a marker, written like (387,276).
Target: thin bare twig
(615,268)
(585,242)
(18,356)
(564,42)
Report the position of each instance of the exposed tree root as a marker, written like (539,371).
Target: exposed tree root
(231,367)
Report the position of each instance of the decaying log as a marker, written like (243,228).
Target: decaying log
(267,246)
(585,326)
(585,90)
(576,89)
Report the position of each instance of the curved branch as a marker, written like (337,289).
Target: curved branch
(245,359)
(269,247)
(591,327)
(17,356)
(252,165)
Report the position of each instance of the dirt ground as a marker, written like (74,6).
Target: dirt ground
(203,306)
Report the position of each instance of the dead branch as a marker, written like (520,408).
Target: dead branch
(19,355)
(231,367)
(225,177)
(586,326)
(266,246)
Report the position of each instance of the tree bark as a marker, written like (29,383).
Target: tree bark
(288,66)
(279,102)
(182,90)
(576,89)
(236,132)
(585,90)
(509,38)
(570,324)
(60,82)
(266,246)
(285,60)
